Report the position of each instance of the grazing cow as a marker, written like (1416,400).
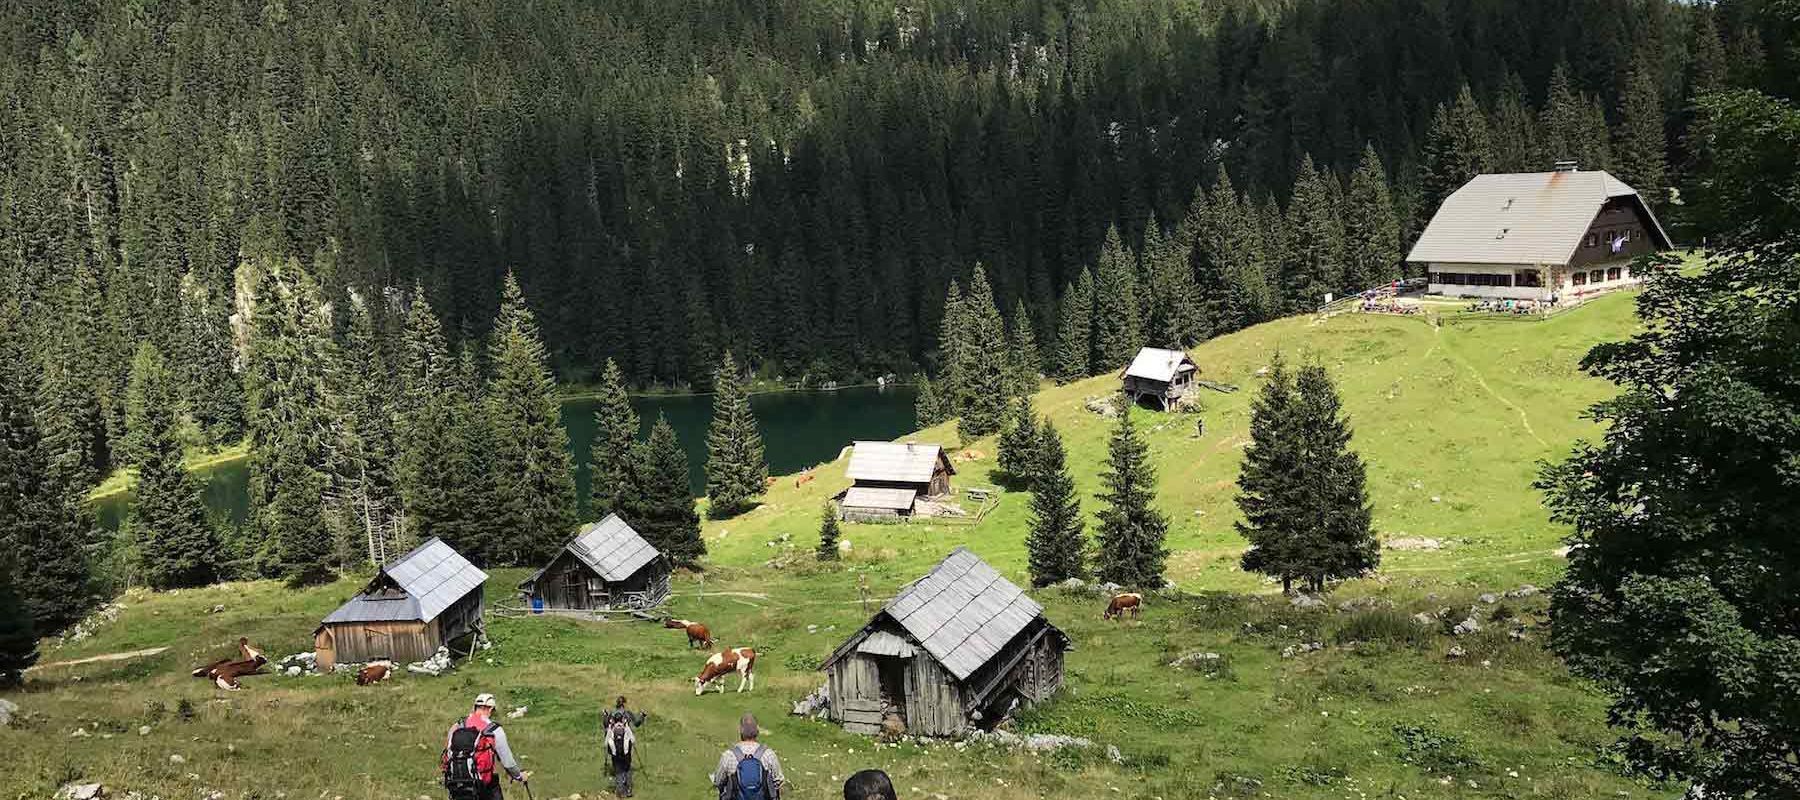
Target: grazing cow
(374,672)
(697,634)
(225,672)
(741,660)
(1122,603)
(803,480)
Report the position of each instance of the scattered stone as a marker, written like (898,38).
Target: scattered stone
(1113,755)
(517,712)
(1526,590)
(1467,626)
(1205,662)
(1489,598)
(1456,651)
(93,622)
(176,758)
(143,730)
(293,672)
(1304,601)
(1415,543)
(218,609)
(1073,583)
(81,791)
(1036,742)
(1517,634)
(1364,604)
(307,662)
(8,709)
(815,704)
(1436,499)
(1425,618)
(1108,588)
(1301,649)
(843,545)
(812,629)
(438,664)
(80,733)
(1104,406)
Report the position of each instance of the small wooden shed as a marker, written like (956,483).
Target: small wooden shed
(421,601)
(959,648)
(606,566)
(923,468)
(1164,376)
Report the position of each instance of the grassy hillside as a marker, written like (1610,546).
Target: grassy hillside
(1455,413)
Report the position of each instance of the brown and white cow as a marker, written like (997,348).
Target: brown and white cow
(1121,603)
(374,672)
(225,672)
(741,660)
(697,634)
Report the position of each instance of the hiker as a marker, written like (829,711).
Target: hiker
(620,712)
(473,746)
(621,745)
(870,784)
(748,770)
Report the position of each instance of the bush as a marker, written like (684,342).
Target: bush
(1433,751)
(1380,626)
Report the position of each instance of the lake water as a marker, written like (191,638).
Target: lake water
(799,429)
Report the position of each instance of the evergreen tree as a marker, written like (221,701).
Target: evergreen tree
(1458,146)
(1334,479)
(1371,231)
(366,500)
(928,408)
(177,542)
(1022,350)
(1117,331)
(1074,339)
(1574,128)
(18,637)
(1314,250)
(735,469)
(1515,130)
(661,506)
(424,432)
(473,519)
(1056,544)
(1268,481)
(1174,299)
(1707,69)
(953,352)
(1017,460)
(1132,530)
(288,428)
(532,472)
(1639,143)
(615,442)
(828,533)
(987,373)
(211,389)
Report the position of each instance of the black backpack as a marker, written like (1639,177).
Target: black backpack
(462,768)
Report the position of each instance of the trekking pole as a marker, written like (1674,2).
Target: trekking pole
(528,794)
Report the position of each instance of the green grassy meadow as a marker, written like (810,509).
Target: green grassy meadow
(1450,418)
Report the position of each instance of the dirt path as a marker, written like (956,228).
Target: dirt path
(1482,381)
(146,653)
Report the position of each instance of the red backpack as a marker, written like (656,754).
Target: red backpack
(469,761)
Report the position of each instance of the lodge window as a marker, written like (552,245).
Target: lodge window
(1596,276)
(1631,270)
(1528,277)
(1612,273)
(1578,279)
(1592,239)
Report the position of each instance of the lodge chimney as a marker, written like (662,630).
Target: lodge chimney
(1568,166)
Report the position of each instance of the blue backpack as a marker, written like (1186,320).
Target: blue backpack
(750,776)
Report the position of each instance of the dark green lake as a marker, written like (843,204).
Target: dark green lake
(799,429)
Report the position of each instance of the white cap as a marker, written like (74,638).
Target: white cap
(484,700)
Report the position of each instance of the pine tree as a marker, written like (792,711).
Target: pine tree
(177,542)
(363,416)
(1574,128)
(18,637)
(615,442)
(211,389)
(987,373)
(828,533)
(1132,530)
(1056,545)
(1174,299)
(1371,230)
(424,433)
(928,408)
(735,469)
(1335,481)
(1017,460)
(472,518)
(1074,340)
(1515,130)
(1314,257)
(1708,68)
(660,505)
(1022,350)
(288,428)
(532,472)
(953,353)
(1458,146)
(1639,143)
(1117,331)
(1268,480)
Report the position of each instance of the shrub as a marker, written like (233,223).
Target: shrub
(1382,626)
(802,662)
(1432,750)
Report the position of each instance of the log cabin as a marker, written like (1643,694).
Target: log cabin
(428,598)
(1160,376)
(887,477)
(606,566)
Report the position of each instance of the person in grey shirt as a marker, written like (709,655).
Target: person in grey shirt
(482,719)
(724,776)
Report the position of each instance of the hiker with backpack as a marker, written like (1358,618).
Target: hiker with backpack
(475,746)
(620,712)
(748,770)
(621,745)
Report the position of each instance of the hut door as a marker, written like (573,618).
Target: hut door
(892,673)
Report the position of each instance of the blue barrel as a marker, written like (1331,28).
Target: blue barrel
(537,605)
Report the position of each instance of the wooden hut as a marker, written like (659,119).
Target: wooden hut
(606,566)
(421,601)
(886,477)
(958,648)
(1164,376)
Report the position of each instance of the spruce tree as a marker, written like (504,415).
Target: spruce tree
(424,433)
(1269,480)
(1314,256)
(1132,530)
(1515,130)
(1574,130)
(1017,460)
(611,452)
(1173,301)
(1056,545)
(472,518)
(828,533)
(1334,480)
(1371,230)
(953,352)
(532,472)
(1118,319)
(1457,147)
(18,637)
(1639,145)
(1074,338)
(660,505)
(205,362)
(1022,350)
(288,427)
(987,373)
(928,408)
(176,540)
(735,469)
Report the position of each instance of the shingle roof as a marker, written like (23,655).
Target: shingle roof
(1157,364)
(1522,218)
(871,497)
(433,577)
(962,612)
(882,643)
(904,462)
(612,549)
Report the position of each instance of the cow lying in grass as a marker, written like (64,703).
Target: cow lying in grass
(374,672)
(225,672)
(741,660)
(1131,602)
(697,634)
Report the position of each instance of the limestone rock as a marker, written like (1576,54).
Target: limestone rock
(1526,590)
(1456,652)
(1304,601)
(8,709)
(517,712)
(1489,598)
(81,791)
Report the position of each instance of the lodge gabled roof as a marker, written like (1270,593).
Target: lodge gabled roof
(1524,218)
(414,587)
(897,462)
